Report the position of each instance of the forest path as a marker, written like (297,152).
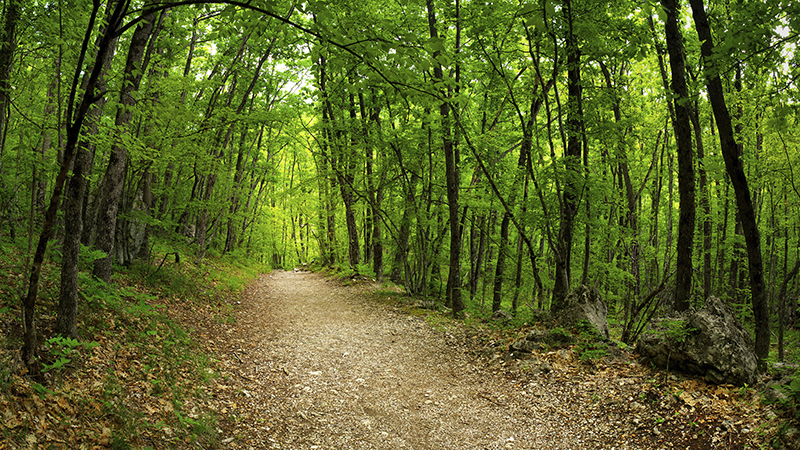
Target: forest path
(313,364)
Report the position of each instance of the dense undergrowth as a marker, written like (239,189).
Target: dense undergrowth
(135,378)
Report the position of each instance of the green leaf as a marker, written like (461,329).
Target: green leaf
(526,9)
(435,45)
(550,9)
(325,16)
(538,23)
(662,15)
(56,365)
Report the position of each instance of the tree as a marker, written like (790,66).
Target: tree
(681,123)
(735,170)
(452,174)
(111,186)
(8,44)
(428,126)
(67,319)
(76,115)
(572,161)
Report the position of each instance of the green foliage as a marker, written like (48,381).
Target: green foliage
(243,166)
(676,330)
(588,331)
(591,352)
(365,270)
(591,345)
(41,391)
(63,350)
(791,401)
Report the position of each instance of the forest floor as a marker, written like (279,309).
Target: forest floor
(313,363)
(299,360)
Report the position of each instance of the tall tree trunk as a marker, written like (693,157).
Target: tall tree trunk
(74,201)
(477,249)
(683,138)
(572,161)
(632,219)
(376,194)
(241,158)
(735,168)
(325,166)
(520,180)
(346,176)
(111,187)
(400,263)
(722,235)
(518,277)
(705,203)
(500,265)
(789,275)
(40,159)
(8,46)
(670,201)
(452,177)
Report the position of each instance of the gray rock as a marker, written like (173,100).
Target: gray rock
(535,366)
(543,340)
(709,342)
(584,305)
(502,314)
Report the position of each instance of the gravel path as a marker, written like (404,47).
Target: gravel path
(312,364)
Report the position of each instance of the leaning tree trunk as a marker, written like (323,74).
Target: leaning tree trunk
(111,187)
(735,168)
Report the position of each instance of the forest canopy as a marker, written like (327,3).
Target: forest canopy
(490,155)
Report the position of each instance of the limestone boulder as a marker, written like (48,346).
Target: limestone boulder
(584,305)
(709,342)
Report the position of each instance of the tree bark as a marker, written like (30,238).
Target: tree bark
(73,133)
(782,296)
(74,201)
(477,250)
(705,203)
(572,161)
(111,187)
(346,175)
(683,138)
(500,265)
(452,177)
(735,168)
(376,195)
(8,47)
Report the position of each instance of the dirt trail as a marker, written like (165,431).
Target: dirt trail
(312,364)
